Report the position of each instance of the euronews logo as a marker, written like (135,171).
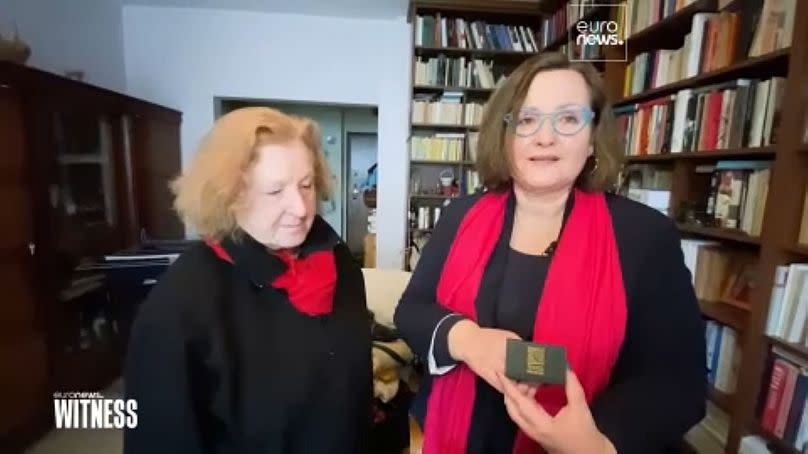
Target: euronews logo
(81,410)
(595,35)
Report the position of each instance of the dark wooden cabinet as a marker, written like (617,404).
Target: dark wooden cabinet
(84,173)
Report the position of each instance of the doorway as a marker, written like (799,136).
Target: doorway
(349,139)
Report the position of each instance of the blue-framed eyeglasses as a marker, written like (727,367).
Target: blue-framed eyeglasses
(566,122)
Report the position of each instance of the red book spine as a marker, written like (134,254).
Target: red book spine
(769,418)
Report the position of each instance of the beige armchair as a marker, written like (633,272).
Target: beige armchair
(384,288)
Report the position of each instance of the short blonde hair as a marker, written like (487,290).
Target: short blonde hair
(493,160)
(207,191)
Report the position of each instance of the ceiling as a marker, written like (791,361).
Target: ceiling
(375,9)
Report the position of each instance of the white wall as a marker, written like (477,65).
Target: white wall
(67,35)
(184,58)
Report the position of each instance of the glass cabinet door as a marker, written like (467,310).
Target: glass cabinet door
(82,190)
(85,182)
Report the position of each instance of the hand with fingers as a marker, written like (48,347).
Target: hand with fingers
(481,349)
(571,431)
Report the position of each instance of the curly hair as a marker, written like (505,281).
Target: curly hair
(207,192)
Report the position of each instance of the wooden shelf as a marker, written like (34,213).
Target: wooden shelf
(799,249)
(774,63)
(470,7)
(443,127)
(441,89)
(497,54)
(756,152)
(720,234)
(727,314)
(797,349)
(720,399)
(671,29)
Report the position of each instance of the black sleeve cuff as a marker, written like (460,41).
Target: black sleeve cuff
(440,348)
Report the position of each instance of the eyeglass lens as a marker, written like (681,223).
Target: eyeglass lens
(565,122)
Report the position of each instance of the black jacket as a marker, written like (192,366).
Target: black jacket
(221,363)
(658,388)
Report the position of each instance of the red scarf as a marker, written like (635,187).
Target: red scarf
(582,307)
(308,281)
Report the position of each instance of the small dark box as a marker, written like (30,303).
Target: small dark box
(535,363)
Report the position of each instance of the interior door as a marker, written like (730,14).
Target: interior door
(23,357)
(361,151)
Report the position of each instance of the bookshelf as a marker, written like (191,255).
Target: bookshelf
(448,92)
(452,79)
(691,179)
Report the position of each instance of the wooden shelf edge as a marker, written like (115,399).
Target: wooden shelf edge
(800,249)
(442,88)
(721,400)
(440,126)
(493,53)
(706,154)
(720,233)
(727,314)
(797,349)
(482,6)
(705,78)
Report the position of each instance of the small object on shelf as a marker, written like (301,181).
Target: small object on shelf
(14,49)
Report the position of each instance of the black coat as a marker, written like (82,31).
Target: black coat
(658,387)
(221,363)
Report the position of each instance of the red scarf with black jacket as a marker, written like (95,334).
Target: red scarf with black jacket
(308,275)
(582,308)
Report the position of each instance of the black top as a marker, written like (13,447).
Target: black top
(658,387)
(221,363)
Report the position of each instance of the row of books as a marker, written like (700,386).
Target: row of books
(734,114)
(784,413)
(440,147)
(720,275)
(457,72)
(774,27)
(737,194)
(439,31)
(560,22)
(471,182)
(473,138)
(788,304)
(474,113)
(723,356)
(438,109)
(710,45)
(644,13)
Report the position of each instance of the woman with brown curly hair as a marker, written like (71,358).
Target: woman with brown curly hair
(549,256)
(257,339)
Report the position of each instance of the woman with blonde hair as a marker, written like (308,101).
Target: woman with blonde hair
(255,340)
(548,255)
